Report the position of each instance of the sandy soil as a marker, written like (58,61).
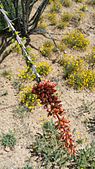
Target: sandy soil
(75,103)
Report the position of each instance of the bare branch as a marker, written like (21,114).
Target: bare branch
(27,57)
(34,20)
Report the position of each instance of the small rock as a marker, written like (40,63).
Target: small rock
(7,149)
(65,52)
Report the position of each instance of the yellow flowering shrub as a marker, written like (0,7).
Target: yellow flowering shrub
(42,25)
(27,98)
(43,68)
(52,17)
(26,73)
(56,6)
(47,48)
(64,21)
(77,74)
(84,79)
(62,47)
(66,16)
(76,40)
(71,65)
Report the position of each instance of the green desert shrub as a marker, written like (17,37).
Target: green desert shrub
(47,48)
(27,167)
(52,17)
(49,147)
(71,65)
(62,25)
(66,16)
(62,47)
(64,20)
(91,60)
(67,3)
(42,25)
(9,7)
(77,18)
(85,158)
(6,74)
(56,6)
(8,140)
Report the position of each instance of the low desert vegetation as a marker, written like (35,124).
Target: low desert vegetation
(47,48)
(64,20)
(43,68)
(77,73)
(6,74)
(49,147)
(86,157)
(52,17)
(28,99)
(56,6)
(67,3)
(49,134)
(27,166)
(42,25)
(91,60)
(76,40)
(8,140)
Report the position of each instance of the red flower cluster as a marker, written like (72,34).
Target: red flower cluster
(62,125)
(45,92)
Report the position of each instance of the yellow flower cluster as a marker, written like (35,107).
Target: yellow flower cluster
(26,73)
(29,99)
(84,79)
(77,73)
(71,65)
(43,68)
(42,25)
(47,48)
(84,8)
(56,5)
(52,17)
(76,40)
